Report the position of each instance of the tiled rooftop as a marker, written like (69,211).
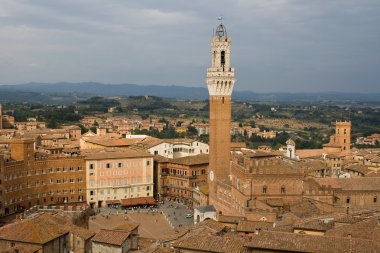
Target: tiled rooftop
(114,237)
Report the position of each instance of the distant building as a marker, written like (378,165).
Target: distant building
(267,134)
(290,149)
(341,141)
(370,140)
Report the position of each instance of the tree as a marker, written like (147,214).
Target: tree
(192,131)
(52,123)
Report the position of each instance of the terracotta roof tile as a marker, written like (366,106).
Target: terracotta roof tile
(128,226)
(114,237)
(230,219)
(212,243)
(291,242)
(191,160)
(252,226)
(39,229)
(353,184)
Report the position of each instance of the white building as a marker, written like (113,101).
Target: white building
(291,149)
(174,148)
(202,213)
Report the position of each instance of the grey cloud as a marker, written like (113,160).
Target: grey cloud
(279,45)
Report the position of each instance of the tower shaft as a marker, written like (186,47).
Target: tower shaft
(220,83)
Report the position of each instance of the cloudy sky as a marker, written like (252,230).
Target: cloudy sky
(278,45)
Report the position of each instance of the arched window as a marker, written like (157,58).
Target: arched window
(375,199)
(222,58)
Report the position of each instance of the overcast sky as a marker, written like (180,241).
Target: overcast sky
(277,45)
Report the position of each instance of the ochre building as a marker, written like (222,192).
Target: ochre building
(29,179)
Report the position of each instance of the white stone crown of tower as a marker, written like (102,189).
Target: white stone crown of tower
(220,76)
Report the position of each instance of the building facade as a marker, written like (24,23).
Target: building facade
(28,179)
(178,178)
(116,175)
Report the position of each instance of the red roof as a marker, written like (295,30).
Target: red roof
(138,201)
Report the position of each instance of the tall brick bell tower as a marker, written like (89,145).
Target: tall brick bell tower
(220,83)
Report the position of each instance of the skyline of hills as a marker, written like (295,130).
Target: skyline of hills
(65,92)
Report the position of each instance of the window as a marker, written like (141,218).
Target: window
(282,189)
(71,168)
(147,163)
(51,180)
(80,168)
(91,166)
(108,165)
(264,189)
(222,58)
(348,200)
(375,199)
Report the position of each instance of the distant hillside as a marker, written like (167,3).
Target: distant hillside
(66,92)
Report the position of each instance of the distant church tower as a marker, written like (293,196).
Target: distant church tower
(343,134)
(220,83)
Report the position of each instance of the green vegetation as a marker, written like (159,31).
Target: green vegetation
(309,125)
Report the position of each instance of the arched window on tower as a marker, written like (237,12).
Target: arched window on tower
(222,58)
